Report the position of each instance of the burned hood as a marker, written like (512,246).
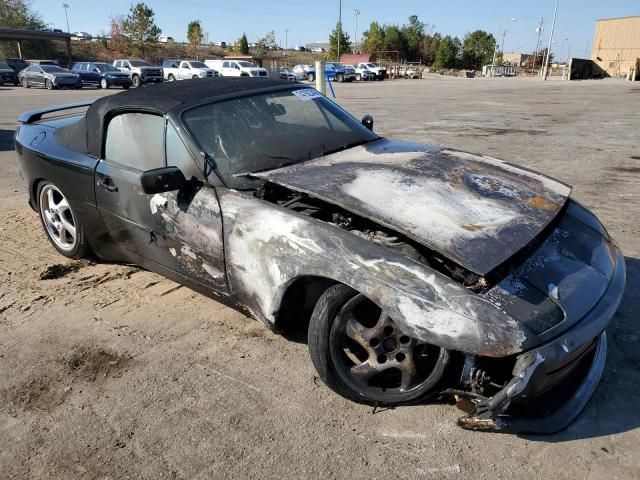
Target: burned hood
(476,210)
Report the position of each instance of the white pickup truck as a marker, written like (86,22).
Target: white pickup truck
(186,69)
(381,72)
(140,71)
(236,68)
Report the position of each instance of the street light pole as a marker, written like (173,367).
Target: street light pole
(339,27)
(356,12)
(553,24)
(286,40)
(495,47)
(66,14)
(535,52)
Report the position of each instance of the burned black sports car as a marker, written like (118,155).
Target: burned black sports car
(424,272)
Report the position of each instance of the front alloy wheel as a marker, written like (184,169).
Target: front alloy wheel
(362,354)
(136,81)
(49,84)
(60,223)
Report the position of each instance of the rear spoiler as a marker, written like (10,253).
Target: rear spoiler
(35,115)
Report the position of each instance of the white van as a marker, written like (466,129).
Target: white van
(236,68)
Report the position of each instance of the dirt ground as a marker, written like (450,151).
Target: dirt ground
(108,371)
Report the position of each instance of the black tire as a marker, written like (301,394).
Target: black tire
(135,80)
(126,87)
(321,351)
(195,77)
(48,84)
(16,83)
(340,78)
(104,83)
(171,78)
(358,77)
(25,82)
(311,77)
(81,248)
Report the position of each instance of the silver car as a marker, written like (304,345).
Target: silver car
(49,76)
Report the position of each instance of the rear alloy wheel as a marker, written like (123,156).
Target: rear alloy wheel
(25,82)
(136,81)
(362,354)
(49,84)
(60,223)
(103,83)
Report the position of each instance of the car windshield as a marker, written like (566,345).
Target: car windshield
(246,64)
(138,63)
(197,65)
(52,69)
(371,65)
(105,67)
(270,130)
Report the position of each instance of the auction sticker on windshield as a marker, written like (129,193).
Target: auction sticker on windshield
(307,94)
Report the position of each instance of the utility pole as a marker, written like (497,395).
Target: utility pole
(339,27)
(553,24)
(286,40)
(66,14)
(504,33)
(356,12)
(539,30)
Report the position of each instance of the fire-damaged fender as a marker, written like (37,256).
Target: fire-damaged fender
(268,247)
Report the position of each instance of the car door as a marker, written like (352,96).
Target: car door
(35,76)
(184,71)
(178,230)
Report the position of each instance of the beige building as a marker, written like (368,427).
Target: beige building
(616,44)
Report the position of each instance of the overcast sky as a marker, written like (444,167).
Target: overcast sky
(225,20)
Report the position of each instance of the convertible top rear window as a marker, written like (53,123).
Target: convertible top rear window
(269,130)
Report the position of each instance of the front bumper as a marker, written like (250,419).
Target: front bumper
(544,371)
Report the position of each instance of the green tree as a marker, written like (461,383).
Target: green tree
(429,47)
(18,14)
(194,36)
(477,49)
(373,38)
(139,26)
(265,44)
(394,40)
(447,54)
(413,34)
(242,45)
(340,35)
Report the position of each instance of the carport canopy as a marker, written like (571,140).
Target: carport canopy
(19,34)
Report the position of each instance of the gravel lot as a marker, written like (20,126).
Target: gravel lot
(113,372)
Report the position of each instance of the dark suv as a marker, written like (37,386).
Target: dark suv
(7,75)
(102,75)
(17,64)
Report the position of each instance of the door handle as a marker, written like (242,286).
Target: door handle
(107,184)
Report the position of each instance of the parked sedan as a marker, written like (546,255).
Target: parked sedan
(7,75)
(49,76)
(422,271)
(287,74)
(101,75)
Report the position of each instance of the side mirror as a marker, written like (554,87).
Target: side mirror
(367,121)
(161,180)
(97,70)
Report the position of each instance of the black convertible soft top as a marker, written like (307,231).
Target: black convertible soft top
(86,135)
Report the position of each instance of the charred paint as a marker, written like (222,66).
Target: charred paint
(268,247)
(476,210)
